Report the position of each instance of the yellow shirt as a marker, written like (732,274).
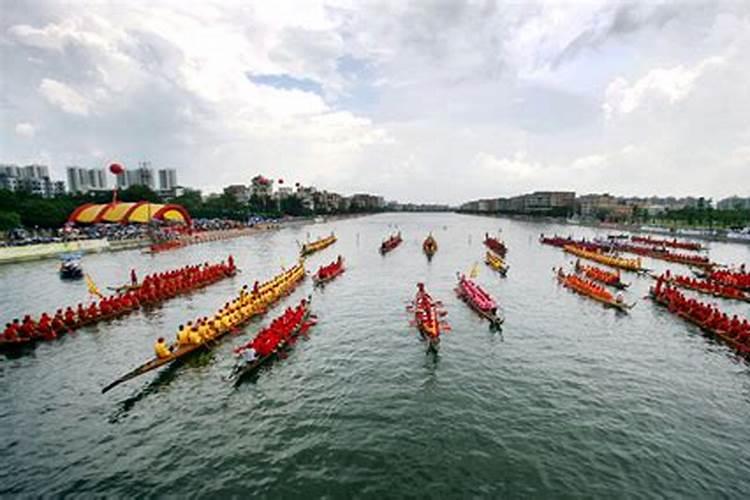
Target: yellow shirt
(195,337)
(161,350)
(183,336)
(204,332)
(226,322)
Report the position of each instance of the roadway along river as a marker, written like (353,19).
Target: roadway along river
(571,400)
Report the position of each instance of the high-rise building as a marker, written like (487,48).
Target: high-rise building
(83,180)
(167,179)
(261,187)
(734,203)
(35,172)
(239,192)
(10,170)
(32,179)
(141,176)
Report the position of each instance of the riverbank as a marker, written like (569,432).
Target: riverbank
(689,233)
(11,255)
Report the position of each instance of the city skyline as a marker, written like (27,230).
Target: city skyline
(425,102)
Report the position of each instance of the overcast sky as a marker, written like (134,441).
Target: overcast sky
(422,101)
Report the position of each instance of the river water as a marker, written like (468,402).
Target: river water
(570,400)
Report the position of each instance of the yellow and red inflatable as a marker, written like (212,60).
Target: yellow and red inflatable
(141,212)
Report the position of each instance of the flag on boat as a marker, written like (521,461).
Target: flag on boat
(474,270)
(93,290)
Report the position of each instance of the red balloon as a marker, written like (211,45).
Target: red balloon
(116,169)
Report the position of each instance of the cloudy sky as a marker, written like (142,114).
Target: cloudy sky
(431,100)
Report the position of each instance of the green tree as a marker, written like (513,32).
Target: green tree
(139,193)
(191,200)
(47,213)
(292,205)
(9,220)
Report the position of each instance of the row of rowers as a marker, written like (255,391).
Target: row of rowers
(231,315)
(155,288)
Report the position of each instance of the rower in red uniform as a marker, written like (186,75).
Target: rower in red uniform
(104,307)
(81,313)
(11,331)
(58,322)
(93,312)
(69,317)
(45,329)
(28,327)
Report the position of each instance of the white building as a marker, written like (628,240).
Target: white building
(141,176)
(734,203)
(33,179)
(10,170)
(261,187)
(284,192)
(83,180)
(35,172)
(167,179)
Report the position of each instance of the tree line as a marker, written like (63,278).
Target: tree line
(22,209)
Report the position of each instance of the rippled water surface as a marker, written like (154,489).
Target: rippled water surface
(571,400)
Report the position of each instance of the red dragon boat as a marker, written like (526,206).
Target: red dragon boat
(391,243)
(427,314)
(326,274)
(495,245)
(479,300)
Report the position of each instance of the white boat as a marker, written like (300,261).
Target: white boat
(741,235)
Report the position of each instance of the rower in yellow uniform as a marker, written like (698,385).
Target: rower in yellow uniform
(183,335)
(203,330)
(195,336)
(162,349)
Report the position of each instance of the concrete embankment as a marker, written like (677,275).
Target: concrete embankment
(9,255)
(49,250)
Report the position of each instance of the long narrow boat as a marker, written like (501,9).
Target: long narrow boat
(427,315)
(329,273)
(582,287)
(495,245)
(479,300)
(602,276)
(496,263)
(663,254)
(23,342)
(674,243)
(244,368)
(738,278)
(165,246)
(430,246)
(318,245)
(19,343)
(560,242)
(617,262)
(391,243)
(293,276)
(740,348)
(705,287)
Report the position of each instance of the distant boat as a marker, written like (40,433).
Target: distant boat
(741,235)
(430,246)
(319,220)
(70,267)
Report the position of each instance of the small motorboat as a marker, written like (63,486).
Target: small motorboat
(70,268)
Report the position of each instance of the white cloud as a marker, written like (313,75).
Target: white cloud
(389,96)
(671,85)
(64,97)
(25,129)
